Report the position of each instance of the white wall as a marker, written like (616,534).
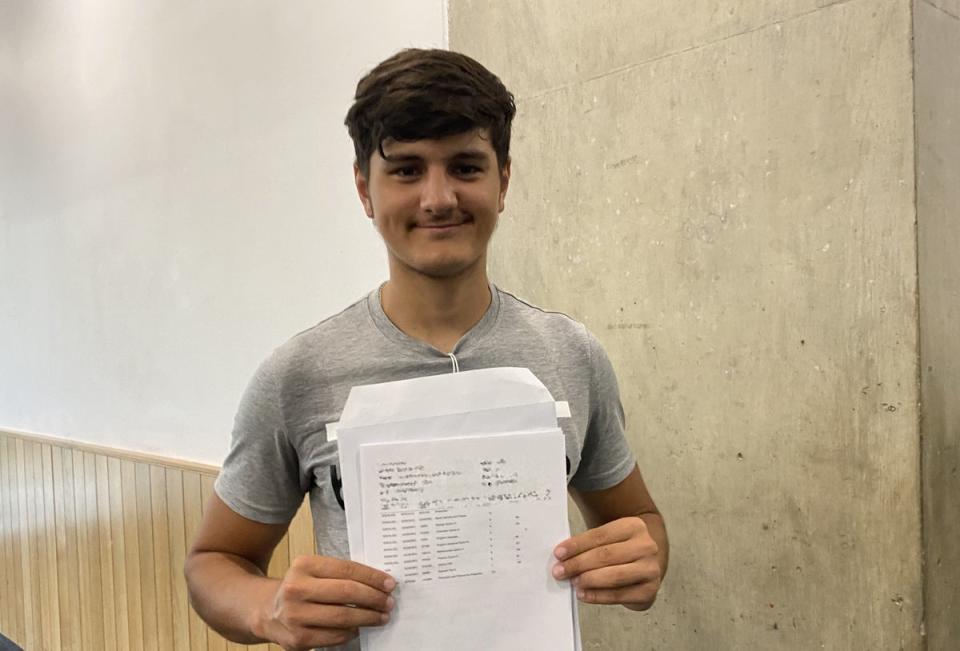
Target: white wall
(175,201)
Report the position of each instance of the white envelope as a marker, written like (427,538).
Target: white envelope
(467,411)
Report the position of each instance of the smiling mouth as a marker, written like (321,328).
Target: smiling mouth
(444,226)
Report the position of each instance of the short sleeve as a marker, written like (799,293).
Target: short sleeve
(606,459)
(261,478)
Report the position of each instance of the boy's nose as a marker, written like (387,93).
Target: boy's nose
(438,195)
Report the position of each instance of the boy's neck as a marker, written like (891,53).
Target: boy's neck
(437,311)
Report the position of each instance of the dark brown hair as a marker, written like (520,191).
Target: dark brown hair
(419,94)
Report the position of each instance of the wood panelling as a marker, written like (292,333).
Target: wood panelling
(92,545)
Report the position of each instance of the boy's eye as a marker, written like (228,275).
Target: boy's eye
(405,172)
(467,170)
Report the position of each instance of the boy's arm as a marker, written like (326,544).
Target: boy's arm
(623,557)
(320,601)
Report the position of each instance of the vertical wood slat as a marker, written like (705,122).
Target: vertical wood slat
(118,552)
(147,575)
(301,532)
(161,557)
(36,540)
(88,551)
(20,560)
(66,567)
(131,556)
(13,586)
(7,533)
(31,598)
(39,549)
(92,547)
(6,558)
(29,546)
(6,583)
(6,587)
(106,546)
(52,583)
(6,536)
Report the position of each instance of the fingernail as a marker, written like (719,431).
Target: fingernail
(558,571)
(560,553)
(575,581)
(580,594)
(389,585)
(391,602)
(384,618)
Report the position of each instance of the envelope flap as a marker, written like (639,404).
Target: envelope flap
(442,395)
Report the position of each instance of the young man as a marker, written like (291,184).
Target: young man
(431,130)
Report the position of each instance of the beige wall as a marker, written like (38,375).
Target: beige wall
(724,194)
(937,37)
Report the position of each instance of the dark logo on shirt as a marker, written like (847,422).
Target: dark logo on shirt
(337,485)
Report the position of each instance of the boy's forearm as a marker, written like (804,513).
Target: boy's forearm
(228,592)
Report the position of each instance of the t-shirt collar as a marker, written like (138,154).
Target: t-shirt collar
(397,336)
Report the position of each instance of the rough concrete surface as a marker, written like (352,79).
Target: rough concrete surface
(725,196)
(949,9)
(937,38)
(609,35)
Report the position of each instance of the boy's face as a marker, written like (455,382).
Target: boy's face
(435,202)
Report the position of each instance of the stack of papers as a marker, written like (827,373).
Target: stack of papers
(456,486)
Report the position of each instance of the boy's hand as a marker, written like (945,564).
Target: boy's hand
(323,601)
(615,563)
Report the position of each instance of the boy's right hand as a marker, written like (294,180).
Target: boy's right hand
(322,601)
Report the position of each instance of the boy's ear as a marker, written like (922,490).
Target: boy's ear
(363,190)
(504,183)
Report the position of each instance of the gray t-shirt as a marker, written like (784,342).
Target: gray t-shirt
(280,450)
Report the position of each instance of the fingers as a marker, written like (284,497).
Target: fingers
(637,597)
(607,556)
(325,567)
(599,557)
(619,576)
(611,532)
(616,543)
(615,563)
(322,601)
(336,592)
(309,615)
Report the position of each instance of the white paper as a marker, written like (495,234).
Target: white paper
(486,401)
(457,419)
(467,526)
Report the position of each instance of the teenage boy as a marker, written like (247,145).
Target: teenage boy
(431,130)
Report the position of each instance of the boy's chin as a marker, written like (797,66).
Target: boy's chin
(445,269)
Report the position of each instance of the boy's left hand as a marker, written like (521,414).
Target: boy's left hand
(615,563)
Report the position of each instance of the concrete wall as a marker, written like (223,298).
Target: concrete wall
(937,37)
(176,199)
(724,194)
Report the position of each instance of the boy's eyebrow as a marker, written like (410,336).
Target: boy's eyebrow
(472,154)
(466,154)
(399,158)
